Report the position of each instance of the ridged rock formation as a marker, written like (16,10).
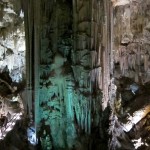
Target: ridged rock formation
(131,72)
(87,72)
(12,39)
(68,47)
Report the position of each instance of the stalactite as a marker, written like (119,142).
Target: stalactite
(82,119)
(95,75)
(69,100)
(134,61)
(126,65)
(94,56)
(138,55)
(99,56)
(129,61)
(121,63)
(146,62)
(120,51)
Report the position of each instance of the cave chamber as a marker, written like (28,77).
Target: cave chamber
(84,82)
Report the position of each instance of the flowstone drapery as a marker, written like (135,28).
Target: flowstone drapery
(68,65)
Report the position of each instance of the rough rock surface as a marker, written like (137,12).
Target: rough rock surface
(12,70)
(131,73)
(12,39)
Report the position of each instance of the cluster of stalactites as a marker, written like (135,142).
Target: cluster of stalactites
(96,72)
(135,58)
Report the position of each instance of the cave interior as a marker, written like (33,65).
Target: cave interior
(74,74)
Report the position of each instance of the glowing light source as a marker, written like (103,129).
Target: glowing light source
(32,135)
(120,2)
(9,129)
(137,143)
(135,118)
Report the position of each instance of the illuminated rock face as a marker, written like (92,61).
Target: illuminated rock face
(12,69)
(120,2)
(68,69)
(131,40)
(12,39)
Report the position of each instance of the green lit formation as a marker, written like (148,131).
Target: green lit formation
(65,71)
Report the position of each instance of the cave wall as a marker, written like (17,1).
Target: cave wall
(131,40)
(68,71)
(130,106)
(12,39)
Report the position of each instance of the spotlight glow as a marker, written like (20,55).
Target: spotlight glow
(137,143)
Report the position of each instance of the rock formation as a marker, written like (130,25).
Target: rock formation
(87,73)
